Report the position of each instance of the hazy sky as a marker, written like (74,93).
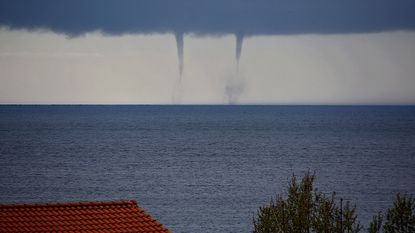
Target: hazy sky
(292,52)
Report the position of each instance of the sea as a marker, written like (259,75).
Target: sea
(205,168)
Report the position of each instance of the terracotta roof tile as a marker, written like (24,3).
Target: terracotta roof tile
(121,216)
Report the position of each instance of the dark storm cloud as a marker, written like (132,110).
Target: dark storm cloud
(249,17)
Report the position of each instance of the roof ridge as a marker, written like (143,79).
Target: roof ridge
(70,204)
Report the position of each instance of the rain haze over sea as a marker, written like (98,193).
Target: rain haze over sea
(205,168)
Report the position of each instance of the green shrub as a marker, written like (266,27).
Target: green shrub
(375,225)
(399,219)
(306,210)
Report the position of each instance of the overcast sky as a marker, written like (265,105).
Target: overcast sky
(290,52)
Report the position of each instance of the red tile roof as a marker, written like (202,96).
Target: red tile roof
(121,216)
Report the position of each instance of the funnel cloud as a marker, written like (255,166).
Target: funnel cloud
(234,87)
(180,44)
(178,89)
(239,41)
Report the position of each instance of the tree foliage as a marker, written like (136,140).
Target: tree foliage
(306,210)
(375,225)
(399,219)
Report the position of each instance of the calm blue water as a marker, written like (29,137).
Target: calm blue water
(204,168)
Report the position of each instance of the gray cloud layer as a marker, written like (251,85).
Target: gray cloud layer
(248,17)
